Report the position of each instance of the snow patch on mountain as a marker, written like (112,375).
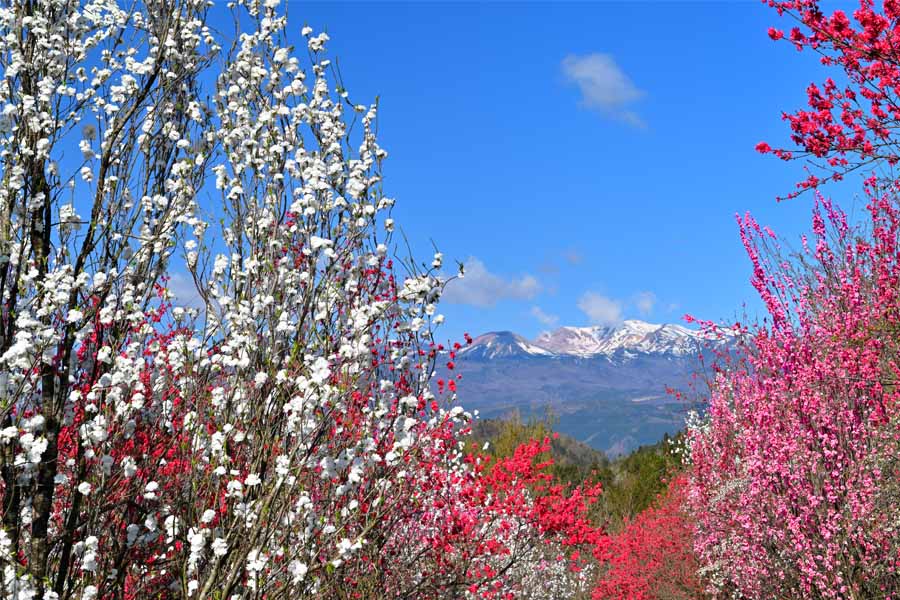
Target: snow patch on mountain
(625,340)
(629,336)
(502,344)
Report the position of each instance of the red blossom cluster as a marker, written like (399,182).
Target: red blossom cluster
(851,122)
(652,556)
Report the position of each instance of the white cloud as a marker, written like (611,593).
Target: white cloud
(544,318)
(482,288)
(600,309)
(604,86)
(645,301)
(186,295)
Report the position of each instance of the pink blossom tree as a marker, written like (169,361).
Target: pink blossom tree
(794,468)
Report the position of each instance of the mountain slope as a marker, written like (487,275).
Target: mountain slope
(502,344)
(630,336)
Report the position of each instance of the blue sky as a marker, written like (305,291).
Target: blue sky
(586,160)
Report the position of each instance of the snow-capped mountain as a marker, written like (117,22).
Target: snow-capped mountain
(629,336)
(502,344)
(623,340)
(607,385)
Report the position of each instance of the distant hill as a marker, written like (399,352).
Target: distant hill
(566,450)
(607,385)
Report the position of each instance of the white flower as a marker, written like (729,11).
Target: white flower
(318,43)
(89,560)
(256,561)
(197,540)
(171,525)
(104,355)
(315,242)
(129,466)
(297,570)
(150,490)
(151,523)
(234,489)
(344,546)
(84,488)
(68,217)
(282,465)
(219,547)
(320,371)
(74,316)
(8,433)
(252,479)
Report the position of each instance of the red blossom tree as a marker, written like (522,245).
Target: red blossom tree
(652,557)
(852,119)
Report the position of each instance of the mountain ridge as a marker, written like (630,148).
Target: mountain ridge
(608,385)
(629,336)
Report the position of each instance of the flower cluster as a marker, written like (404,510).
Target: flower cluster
(652,556)
(850,123)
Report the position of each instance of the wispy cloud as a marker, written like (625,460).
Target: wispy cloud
(600,309)
(645,301)
(482,288)
(604,86)
(545,319)
(185,291)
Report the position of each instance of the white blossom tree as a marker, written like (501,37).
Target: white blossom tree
(278,438)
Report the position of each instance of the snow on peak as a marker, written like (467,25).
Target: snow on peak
(502,344)
(629,336)
(626,340)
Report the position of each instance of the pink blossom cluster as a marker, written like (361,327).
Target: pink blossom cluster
(850,122)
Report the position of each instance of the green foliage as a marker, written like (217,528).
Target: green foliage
(633,482)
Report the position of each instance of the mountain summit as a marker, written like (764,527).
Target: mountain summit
(502,344)
(623,340)
(631,336)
